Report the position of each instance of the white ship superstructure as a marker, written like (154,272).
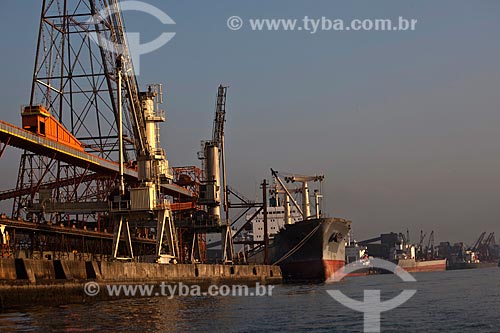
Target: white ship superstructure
(275,221)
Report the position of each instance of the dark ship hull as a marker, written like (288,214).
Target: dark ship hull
(475,265)
(311,250)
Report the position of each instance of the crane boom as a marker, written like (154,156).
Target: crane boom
(214,162)
(489,240)
(302,178)
(220,117)
(113,17)
(430,242)
(479,241)
(421,241)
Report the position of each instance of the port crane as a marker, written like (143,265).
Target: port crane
(484,248)
(214,165)
(92,167)
(143,201)
(92,154)
(213,157)
(152,166)
(478,242)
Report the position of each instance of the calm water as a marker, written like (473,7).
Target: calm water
(453,301)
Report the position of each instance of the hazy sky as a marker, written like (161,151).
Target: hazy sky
(404,125)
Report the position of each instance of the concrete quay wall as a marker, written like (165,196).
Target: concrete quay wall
(25,282)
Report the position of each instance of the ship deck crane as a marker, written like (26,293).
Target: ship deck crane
(306,208)
(286,202)
(421,242)
(287,192)
(430,246)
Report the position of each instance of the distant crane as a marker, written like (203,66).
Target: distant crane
(478,242)
(421,242)
(484,248)
(430,246)
(489,239)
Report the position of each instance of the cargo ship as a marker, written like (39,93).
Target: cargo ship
(310,250)
(396,247)
(481,255)
(415,265)
(472,265)
(306,247)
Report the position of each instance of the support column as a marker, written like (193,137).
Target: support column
(264,212)
(118,230)
(165,229)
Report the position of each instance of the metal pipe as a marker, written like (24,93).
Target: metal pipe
(224,184)
(266,234)
(288,215)
(32,97)
(317,196)
(116,237)
(119,62)
(306,207)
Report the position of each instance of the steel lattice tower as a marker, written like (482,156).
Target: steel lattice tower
(74,79)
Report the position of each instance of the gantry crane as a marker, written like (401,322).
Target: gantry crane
(92,155)
(152,165)
(82,79)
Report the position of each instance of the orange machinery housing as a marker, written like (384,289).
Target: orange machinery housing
(38,120)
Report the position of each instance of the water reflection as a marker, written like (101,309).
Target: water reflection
(437,306)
